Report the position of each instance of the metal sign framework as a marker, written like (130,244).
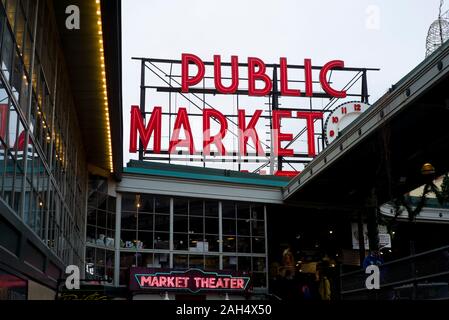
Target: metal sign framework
(159,76)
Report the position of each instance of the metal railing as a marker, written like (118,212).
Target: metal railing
(421,276)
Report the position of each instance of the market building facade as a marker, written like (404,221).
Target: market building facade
(156,229)
(54,82)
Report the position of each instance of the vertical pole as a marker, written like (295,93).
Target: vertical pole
(169,108)
(171,242)
(361,239)
(412,254)
(267,270)
(118,226)
(275,95)
(220,234)
(373,230)
(364,87)
(142,103)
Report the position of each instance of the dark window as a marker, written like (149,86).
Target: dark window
(196,208)
(180,224)
(228,209)
(180,241)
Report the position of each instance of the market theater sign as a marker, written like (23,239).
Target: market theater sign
(192,280)
(256,73)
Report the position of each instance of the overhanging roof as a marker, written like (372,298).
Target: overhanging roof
(382,152)
(204,174)
(80,48)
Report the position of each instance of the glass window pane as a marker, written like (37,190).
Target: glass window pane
(211,263)
(258,245)
(257,212)
(243,211)
(129,202)
(129,220)
(102,201)
(230,263)
(145,260)
(162,223)
(180,224)
(196,243)
(180,241)
(211,225)
(161,260)
(243,244)
(243,227)
(196,261)
(180,206)
(7,53)
(229,244)
(211,208)
(90,234)
(196,225)
(228,209)
(145,221)
(146,239)
(212,243)
(258,228)
(196,208)
(127,260)
(229,227)
(161,240)
(180,261)
(146,203)
(101,219)
(128,239)
(162,204)
(259,264)
(244,264)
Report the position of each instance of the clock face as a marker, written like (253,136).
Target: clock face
(341,117)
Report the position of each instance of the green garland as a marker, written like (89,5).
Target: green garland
(401,202)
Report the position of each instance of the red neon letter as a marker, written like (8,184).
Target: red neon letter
(137,125)
(235,75)
(323,78)
(145,281)
(310,116)
(285,91)
(308,77)
(182,120)
(249,131)
(254,75)
(278,136)
(186,80)
(217,139)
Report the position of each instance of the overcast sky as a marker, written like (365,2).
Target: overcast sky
(389,35)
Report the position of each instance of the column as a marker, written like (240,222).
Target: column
(118,225)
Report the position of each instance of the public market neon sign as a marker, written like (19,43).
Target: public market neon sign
(193,280)
(256,73)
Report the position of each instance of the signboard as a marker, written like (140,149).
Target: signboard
(355,236)
(192,280)
(196,121)
(384,236)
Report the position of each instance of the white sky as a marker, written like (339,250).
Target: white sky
(389,35)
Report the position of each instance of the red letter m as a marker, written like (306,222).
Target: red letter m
(138,126)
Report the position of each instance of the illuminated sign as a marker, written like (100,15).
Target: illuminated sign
(192,280)
(196,122)
(256,71)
